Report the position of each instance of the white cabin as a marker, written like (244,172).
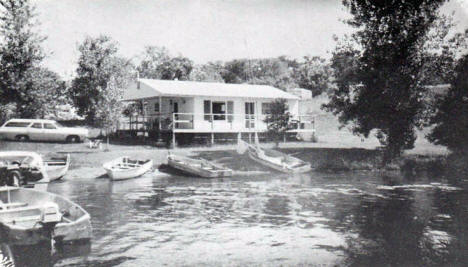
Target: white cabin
(207,107)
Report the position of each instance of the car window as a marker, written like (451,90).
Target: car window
(49,126)
(37,125)
(58,125)
(17,124)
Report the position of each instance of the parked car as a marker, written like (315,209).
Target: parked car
(41,130)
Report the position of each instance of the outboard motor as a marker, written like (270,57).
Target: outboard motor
(50,213)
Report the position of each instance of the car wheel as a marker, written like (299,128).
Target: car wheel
(73,139)
(22,138)
(15,178)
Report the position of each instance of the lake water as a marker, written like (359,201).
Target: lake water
(346,219)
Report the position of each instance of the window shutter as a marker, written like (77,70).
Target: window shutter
(230,111)
(207,109)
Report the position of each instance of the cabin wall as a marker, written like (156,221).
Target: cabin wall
(194,106)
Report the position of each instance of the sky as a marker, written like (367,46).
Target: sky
(202,30)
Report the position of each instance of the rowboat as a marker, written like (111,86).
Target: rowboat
(29,216)
(197,167)
(57,167)
(274,159)
(126,168)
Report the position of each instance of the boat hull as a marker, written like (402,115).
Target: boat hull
(279,168)
(24,237)
(56,169)
(25,225)
(278,161)
(71,232)
(116,174)
(195,167)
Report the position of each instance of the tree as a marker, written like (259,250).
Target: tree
(314,74)
(157,63)
(271,71)
(210,72)
(378,70)
(101,79)
(278,120)
(451,118)
(276,72)
(47,92)
(20,53)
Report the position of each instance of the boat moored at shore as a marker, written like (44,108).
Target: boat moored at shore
(274,159)
(197,167)
(125,168)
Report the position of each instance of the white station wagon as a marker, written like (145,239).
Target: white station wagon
(40,130)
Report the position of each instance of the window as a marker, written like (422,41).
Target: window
(219,109)
(49,126)
(156,107)
(266,108)
(17,124)
(37,125)
(249,115)
(249,108)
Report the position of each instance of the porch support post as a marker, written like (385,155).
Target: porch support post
(173,140)
(212,138)
(256,115)
(160,117)
(173,131)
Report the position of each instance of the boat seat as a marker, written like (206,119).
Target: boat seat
(208,168)
(55,162)
(12,205)
(126,166)
(66,219)
(24,219)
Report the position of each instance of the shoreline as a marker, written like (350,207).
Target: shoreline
(323,156)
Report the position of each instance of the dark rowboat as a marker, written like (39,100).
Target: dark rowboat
(197,167)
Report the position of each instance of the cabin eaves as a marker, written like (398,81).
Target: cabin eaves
(150,88)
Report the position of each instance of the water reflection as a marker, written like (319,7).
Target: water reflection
(354,219)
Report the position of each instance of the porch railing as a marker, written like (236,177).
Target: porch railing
(248,121)
(210,121)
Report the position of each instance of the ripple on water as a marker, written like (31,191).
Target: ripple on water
(259,221)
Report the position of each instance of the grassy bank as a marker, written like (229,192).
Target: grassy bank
(326,155)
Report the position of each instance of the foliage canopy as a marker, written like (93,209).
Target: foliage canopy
(278,120)
(380,72)
(157,63)
(451,118)
(20,56)
(101,77)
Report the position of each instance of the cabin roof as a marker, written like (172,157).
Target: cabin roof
(150,88)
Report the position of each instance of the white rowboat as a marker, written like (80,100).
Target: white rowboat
(125,168)
(56,167)
(274,159)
